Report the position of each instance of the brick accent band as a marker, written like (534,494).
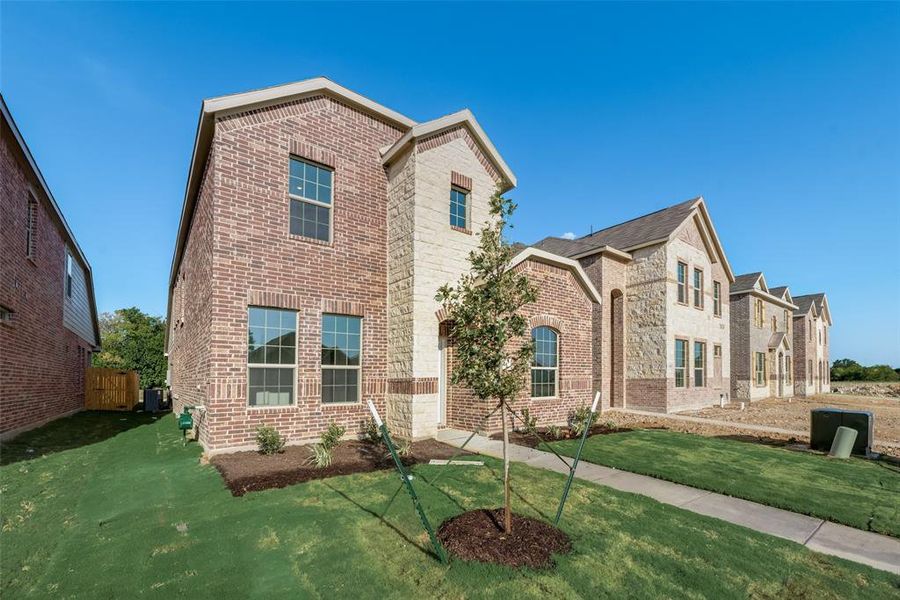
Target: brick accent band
(461,181)
(413,385)
(314,153)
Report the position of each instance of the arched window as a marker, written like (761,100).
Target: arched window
(545,366)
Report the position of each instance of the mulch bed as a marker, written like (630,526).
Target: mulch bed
(478,535)
(252,471)
(526,439)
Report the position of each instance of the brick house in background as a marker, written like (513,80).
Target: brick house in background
(661,335)
(761,339)
(48,316)
(812,366)
(317,227)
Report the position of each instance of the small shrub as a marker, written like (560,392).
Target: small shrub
(269,440)
(578,418)
(554,432)
(321,456)
(529,423)
(371,432)
(332,436)
(404,448)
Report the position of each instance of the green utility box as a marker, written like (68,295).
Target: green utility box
(824,423)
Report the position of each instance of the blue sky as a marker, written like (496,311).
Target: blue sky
(785,117)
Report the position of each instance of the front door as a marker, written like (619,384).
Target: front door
(442,380)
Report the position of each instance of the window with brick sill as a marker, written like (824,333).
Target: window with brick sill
(459,209)
(545,364)
(311,200)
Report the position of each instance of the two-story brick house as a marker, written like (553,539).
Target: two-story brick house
(762,361)
(317,227)
(812,366)
(661,334)
(48,317)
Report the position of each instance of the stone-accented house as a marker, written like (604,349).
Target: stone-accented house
(661,334)
(761,339)
(812,366)
(317,227)
(48,317)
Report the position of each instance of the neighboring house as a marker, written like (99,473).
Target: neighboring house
(48,317)
(761,339)
(661,334)
(812,321)
(317,227)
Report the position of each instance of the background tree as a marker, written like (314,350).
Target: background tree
(134,341)
(845,369)
(491,356)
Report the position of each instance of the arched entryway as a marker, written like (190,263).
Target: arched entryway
(617,349)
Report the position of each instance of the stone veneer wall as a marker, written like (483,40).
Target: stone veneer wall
(563,305)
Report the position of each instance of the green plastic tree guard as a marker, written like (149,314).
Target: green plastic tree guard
(843,442)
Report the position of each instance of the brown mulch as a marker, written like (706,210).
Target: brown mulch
(252,471)
(532,441)
(478,535)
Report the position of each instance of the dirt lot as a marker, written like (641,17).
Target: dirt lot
(794,414)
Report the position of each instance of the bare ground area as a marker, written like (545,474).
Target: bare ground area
(794,415)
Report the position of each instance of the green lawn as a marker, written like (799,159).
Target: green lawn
(856,492)
(132,513)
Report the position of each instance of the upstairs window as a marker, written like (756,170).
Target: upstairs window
(68,275)
(717,298)
(682,283)
(759,312)
(271,356)
(698,288)
(545,364)
(681,363)
(459,201)
(787,321)
(31,227)
(774,324)
(311,200)
(341,358)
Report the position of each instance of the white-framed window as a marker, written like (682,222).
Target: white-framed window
(341,359)
(759,313)
(717,298)
(681,350)
(545,364)
(271,356)
(698,288)
(68,275)
(699,364)
(760,368)
(682,282)
(31,227)
(459,203)
(311,200)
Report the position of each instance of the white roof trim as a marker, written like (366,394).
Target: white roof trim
(700,206)
(554,259)
(765,296)
(463,117)
(279,93)
(613,251)
(72,243)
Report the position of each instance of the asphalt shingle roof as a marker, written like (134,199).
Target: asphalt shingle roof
(647,228)
(804,302)
(745,282)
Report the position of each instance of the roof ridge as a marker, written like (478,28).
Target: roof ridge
(649,214)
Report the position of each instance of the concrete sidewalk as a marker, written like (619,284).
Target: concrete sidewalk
(879,551)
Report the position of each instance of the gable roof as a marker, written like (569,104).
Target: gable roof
(572,265)
(746,282)
(817,302)
(654,228)
(777,339)
(66,231)
(464,118)
(754,284)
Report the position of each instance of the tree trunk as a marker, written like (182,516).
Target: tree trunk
(507,515)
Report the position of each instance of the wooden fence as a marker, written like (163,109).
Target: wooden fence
(110,389)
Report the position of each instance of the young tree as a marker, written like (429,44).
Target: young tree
(133,340)
(492,358)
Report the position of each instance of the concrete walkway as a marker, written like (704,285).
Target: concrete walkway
(879,551)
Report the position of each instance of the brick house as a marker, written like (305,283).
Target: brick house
(661,334)
(812,366)
(48,316)
(761,339)
(316,229)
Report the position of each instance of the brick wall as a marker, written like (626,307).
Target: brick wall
(41,362)
(563,305)
(256,261)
